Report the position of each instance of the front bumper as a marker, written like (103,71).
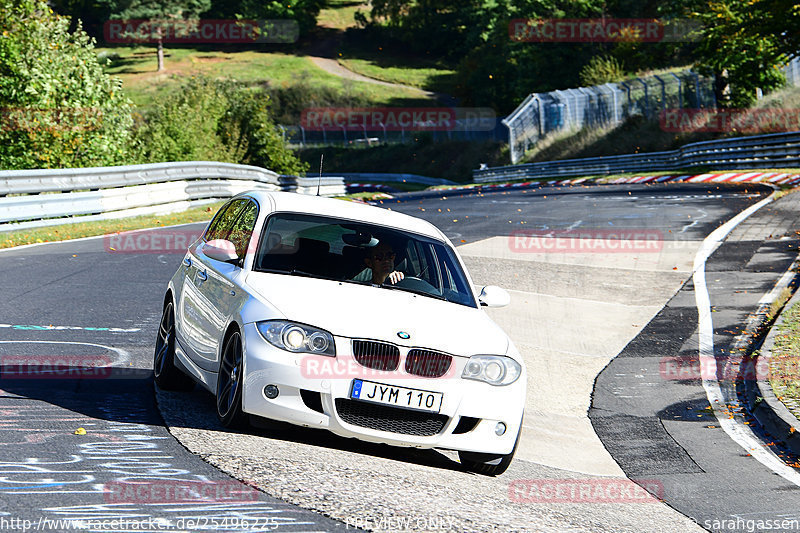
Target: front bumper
(315,393)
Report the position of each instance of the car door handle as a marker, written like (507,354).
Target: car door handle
(202,275)
(187,262)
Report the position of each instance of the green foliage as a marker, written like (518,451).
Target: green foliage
(736,49)
(158,9)
(207,120)
(290,100)
(600,70)
(305,12)
(453,160)
(59,109)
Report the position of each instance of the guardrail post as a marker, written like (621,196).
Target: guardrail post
(663,93)
(646,98)
(680,90)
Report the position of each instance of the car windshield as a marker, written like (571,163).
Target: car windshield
(335,249)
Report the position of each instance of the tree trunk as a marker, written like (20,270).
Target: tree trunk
(722,89)
(160,55)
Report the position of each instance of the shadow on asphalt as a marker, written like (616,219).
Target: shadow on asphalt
(128,396)
(196,410)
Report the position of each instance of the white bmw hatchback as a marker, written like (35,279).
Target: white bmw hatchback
(347,317)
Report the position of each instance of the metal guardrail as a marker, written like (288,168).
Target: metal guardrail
(385,177)
(775,150)
(34,198)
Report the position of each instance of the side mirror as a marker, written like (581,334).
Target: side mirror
(494,296)
(220,250)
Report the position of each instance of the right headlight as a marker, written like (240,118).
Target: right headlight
(298,338)
(492,369)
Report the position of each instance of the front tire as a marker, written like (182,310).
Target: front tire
(229,384)
(167,376)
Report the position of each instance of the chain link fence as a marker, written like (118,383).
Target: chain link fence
(605,105)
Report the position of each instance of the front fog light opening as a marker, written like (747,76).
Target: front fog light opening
(500,429)
(271,392)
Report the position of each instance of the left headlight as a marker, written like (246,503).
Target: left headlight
(492,369)
(298,338)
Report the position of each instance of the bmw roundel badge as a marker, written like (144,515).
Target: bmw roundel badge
(403,335)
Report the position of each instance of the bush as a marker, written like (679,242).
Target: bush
(207,120)
(600,70)
(59,109)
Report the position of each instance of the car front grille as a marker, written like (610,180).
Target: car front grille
(376,355)
(391,419)
(427,363)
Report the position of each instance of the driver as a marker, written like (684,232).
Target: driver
(380,260)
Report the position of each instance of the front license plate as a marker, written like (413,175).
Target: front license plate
(421,400)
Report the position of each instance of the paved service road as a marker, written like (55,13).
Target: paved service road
(572,311)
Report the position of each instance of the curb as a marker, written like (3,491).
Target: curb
(776,178)
(765,407)
(764,179)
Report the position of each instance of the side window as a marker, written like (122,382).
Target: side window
(221,225)
(242,229)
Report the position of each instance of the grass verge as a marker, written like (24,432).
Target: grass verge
(784,365)
(78,230)
(137,68)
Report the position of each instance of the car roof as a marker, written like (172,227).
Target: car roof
(319,205)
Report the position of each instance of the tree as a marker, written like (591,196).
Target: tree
(160,16)
(208,120)
(304,12)
(741,46)
(57,106)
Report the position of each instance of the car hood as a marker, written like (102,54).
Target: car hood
(362,311)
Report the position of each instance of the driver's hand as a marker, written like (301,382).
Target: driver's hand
(395,277)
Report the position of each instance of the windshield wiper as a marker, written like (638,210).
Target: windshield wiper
(415,291)
(292,272)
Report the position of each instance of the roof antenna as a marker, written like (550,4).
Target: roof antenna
(321,156)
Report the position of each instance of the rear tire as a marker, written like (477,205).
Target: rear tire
(229,384)
(488,464)
(167,376)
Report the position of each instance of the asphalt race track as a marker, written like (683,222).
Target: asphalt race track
(98,300)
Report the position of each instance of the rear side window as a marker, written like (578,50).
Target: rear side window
(222,224)
(242,229)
